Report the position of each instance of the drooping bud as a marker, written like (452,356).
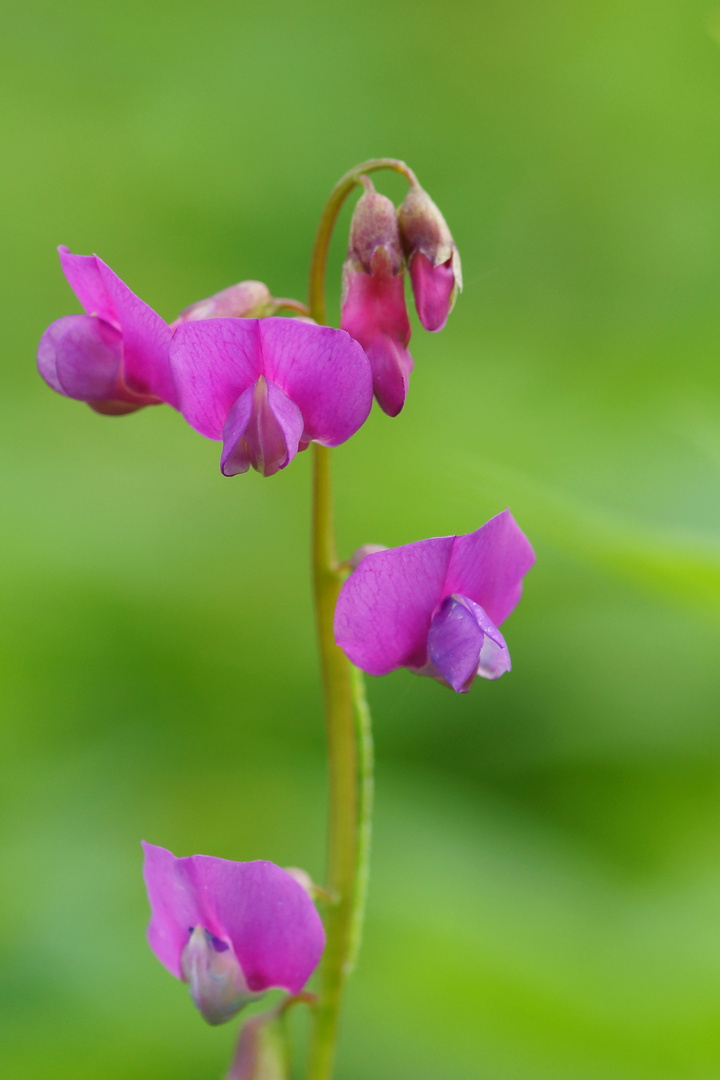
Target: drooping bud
(432,257)
(373,297)
(217,984)
(263,429)
(246,300)
(262,1051)
(374,225)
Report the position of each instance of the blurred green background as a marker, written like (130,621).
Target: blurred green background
(545,901)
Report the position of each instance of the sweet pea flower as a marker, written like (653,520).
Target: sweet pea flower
(432,257)
(373,297)
(232,930)
(115,357)
(435,606)
(268,387)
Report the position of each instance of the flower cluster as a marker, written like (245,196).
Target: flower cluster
(258,374)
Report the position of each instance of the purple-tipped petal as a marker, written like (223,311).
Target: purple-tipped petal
(374,313)
(457,639)
(255,907)
(84,278)
(217,984)
(384,609)
(434,290)
(81,356)
(214,362)
(146,340)
(323,371)
(263,429)
(488,566)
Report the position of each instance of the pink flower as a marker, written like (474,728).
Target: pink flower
(116,356)
(373,301)
(435,606)
(268,387)
(432,257)
(232,930)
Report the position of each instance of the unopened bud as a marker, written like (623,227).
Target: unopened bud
(375,244)
(302,877)
(262,1052)
(373,297)
(363,552)
(246,300)
(432,257)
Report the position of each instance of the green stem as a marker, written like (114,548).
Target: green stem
(343,846)
(338,195)
(349,733)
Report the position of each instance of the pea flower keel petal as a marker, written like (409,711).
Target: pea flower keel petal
(464,643)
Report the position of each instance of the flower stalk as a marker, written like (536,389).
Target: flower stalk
(349,732)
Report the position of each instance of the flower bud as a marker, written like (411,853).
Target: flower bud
(262,1052)
(362,552)
(374,226)
(432,257)
(303,879)
(246,300)
(373,297)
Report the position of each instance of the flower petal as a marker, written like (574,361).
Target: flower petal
(323,371)
(213,363)
(175,905)
(384,609)
(83,275)
(263,429)
(434,290)
(488,566)
(146,340)
(81,356)
(456,642)
(374,313)
(268,919)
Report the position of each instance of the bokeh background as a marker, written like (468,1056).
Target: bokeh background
(545,900)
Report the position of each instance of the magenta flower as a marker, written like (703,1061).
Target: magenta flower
(432,257)
(232,930)
(268,387)
(373,301)
(435,606)
(116,356)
